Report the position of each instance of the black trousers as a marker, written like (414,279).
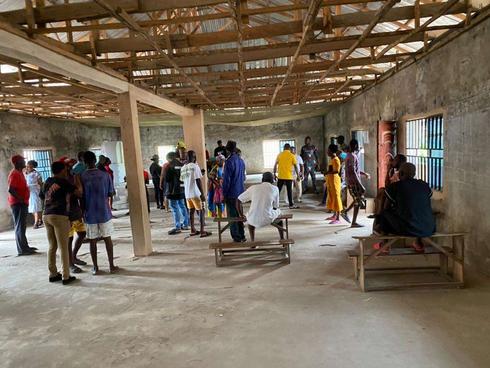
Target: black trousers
(19,213)
(289,188)
(158,191)
(236,228)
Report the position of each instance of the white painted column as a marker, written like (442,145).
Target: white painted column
(194,139)
(138,209)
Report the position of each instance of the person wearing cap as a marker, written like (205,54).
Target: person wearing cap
(264,206)
(155,172)
(18,199)
(234,185)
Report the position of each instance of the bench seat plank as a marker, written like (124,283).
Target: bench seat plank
(251,244)
(388,237)
(397,252)
(286,216)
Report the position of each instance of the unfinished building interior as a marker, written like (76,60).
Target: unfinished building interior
(130,79)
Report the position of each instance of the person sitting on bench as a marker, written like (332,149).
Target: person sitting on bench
(408,209)
(264,205)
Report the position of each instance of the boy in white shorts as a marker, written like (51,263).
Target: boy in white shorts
(97,189)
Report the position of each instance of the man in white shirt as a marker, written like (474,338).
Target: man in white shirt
(264,206)
(191,175)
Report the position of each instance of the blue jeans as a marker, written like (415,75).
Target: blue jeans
(179,212)
(19,213)
(236,228)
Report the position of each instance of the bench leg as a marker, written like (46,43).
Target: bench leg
(458,251)
(362,281)
(216,258)
(356,267)
(443,264)
(288,253)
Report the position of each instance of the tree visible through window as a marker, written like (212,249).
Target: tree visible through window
(425,149)
(43,157)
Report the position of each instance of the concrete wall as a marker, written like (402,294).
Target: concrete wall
(19,132)
(249,138)
(456,80)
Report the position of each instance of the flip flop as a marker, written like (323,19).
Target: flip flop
(206,234)
(196,233)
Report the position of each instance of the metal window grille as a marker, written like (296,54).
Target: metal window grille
(425,149)
(271,148)
(44,159)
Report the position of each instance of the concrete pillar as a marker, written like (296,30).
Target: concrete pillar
(194,138)
(138,208)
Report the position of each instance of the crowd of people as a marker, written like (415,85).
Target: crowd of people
(76,200)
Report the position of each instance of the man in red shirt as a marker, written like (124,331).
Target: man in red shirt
(19,200)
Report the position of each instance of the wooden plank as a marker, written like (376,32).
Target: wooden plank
(193,127)
(387,237)
(250,244)
(395,252)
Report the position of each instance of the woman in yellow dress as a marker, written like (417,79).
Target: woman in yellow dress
(334,200)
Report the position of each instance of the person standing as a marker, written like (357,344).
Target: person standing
(220,150)
(334,200)
(353,176)
(233,186)
(191,175)
(298,181)
(56,193)
(174,191)
(341,143)
(285,165)
(34,182)
(97,190)
(79,167)
(309,154)
(155,172)
(18,199)
(215,184)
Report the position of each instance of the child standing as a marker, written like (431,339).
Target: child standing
(334,200)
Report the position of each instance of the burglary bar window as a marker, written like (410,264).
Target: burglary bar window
(271,148)
(44,158)
(425,149)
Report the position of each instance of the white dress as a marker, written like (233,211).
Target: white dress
(35,203)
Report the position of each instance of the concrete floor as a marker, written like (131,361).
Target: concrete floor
(176,309)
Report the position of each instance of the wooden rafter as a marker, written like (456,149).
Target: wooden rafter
(380,13)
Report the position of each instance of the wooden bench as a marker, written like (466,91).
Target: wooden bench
(451,259)
(232,252)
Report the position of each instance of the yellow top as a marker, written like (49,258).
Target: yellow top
(285,165)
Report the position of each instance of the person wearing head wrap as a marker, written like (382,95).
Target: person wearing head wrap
(18,199)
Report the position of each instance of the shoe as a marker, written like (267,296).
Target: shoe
(185,228)
(174,232)
(56,278)
(75,269)
(345,216)
(95,270)
(33,248)
(355,224)
(334,222)
(69,280)
(294,207)
(36,226)
(114,269)
(27,253)
(79,262)
(371,216)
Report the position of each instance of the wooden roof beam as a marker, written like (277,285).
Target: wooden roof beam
(123,17)
(307,25)
(236,9)
(379,15)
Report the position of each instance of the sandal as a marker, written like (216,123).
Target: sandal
(195,233)
(206,234)
(114,269)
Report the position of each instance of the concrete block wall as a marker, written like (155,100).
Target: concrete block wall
(455,80)
(18,132)
(249,138)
